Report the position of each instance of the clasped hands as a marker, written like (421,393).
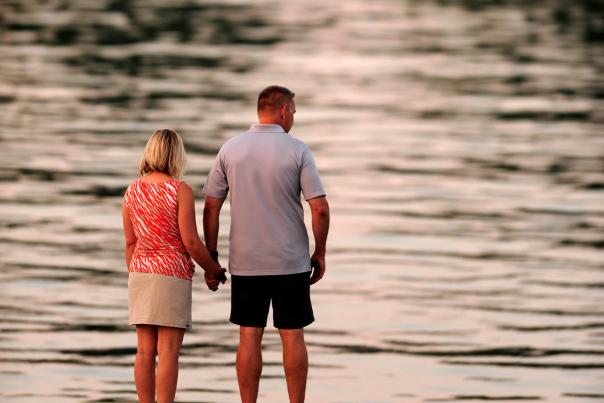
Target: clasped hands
(215,277)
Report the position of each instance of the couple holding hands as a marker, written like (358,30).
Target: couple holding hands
(264,170)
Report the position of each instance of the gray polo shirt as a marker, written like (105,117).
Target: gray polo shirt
(265,169)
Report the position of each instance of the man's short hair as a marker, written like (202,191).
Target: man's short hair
(273,97)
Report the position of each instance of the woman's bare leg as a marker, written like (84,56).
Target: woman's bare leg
(169,341)
(144,364)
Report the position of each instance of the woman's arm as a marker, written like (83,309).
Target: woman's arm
(128,234)
(189,235)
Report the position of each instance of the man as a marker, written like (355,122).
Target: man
(265,169)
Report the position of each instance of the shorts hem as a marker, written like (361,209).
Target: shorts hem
(289,327)
(242,323)
(268,273)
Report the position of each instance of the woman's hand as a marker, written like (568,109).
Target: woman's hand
(214,278)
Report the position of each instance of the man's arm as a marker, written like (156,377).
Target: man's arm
(319,209)
(211,215)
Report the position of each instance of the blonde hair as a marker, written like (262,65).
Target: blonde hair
(164,152)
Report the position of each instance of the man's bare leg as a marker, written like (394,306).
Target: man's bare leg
(249,362)
(295,363)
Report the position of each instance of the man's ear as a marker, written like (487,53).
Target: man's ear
(283,111)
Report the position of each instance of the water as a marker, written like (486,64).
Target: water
(460,144)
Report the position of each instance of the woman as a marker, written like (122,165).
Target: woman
(161,238)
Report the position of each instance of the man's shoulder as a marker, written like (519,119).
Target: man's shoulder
(235,140)
(300,146)
(297,141)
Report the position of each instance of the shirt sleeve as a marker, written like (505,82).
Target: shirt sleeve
(217,184)
(310,182)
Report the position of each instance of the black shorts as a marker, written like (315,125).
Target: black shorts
(251,297)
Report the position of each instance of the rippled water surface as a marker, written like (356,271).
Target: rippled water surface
(460,144)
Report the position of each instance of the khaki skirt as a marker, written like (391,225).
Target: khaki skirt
(156,299)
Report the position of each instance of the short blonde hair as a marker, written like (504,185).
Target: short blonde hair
(164,152)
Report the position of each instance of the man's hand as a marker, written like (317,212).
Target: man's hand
(214,278)
(317,262)
(319,210)
(223,277)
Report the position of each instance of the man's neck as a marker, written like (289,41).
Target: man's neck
(271,123)
(268,121)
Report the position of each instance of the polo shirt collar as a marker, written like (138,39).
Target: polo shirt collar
(266,128)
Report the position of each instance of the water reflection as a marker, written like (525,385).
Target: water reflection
(460,146)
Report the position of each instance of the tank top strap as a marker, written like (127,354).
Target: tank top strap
(173,185)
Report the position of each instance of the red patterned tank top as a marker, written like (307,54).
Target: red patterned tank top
(159,248)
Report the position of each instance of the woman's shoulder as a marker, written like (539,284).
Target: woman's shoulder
(131,184)
(129,190)
(184,193)
(183,187)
